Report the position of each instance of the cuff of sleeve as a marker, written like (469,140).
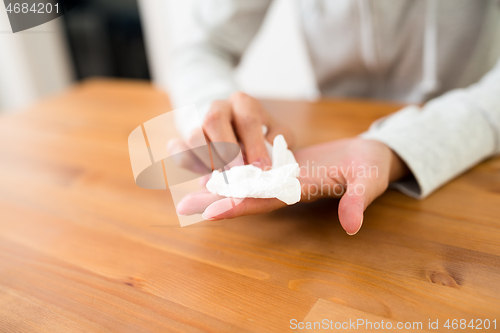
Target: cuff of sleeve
(383,130)
(437,143)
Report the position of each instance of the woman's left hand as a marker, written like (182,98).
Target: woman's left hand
(355,170)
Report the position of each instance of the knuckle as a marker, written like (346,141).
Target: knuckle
(239,97)
(194,138)
(218,105)
(213,117)
(249,120)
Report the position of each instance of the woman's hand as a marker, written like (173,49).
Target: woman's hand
(238,120)
(355,170)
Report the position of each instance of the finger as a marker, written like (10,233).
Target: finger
(196,202)
(218,127)
(228,209)
(351,208)
(204,180)
(197,143)
(358,196)
(248,114)
(184,157)
(315,187)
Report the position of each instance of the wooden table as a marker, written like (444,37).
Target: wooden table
(82,248)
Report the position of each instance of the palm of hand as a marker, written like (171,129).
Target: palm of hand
(356,170)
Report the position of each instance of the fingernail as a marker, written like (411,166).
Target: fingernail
(256,164)
(354,233)
(264,163)
(206,218)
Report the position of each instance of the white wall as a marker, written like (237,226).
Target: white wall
(33,63)
(276,64)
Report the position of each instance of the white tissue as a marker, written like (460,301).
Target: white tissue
(248,181)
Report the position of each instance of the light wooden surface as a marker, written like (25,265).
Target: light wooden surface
(82,248)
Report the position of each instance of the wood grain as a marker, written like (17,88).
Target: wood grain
(346,319)
(82,248)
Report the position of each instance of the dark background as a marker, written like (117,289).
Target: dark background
(106,39)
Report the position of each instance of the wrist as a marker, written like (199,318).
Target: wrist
(398,168)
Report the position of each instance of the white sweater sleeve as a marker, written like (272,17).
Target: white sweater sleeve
(210,45)
(447,136)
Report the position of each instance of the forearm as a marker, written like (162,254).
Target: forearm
(199,77)
(446,137)
(215,35)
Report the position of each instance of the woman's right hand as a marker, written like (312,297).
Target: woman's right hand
(238,120)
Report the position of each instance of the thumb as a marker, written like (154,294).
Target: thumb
(353,203)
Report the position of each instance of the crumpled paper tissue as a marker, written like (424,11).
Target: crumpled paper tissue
(249,181)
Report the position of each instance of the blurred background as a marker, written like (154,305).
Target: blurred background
(133,39)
